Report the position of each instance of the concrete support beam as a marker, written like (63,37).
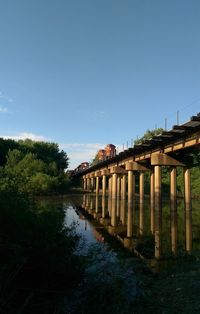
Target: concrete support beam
(105,172)
(117,170)
(135,166)
(160,159)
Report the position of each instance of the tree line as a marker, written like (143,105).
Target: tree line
(33,167)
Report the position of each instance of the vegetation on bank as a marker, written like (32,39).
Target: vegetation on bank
(33,167)
(39,267)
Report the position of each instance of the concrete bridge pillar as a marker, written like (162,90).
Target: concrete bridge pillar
(123,187)
(187,188)
(152,220)
(158,212)
(116,172)
(158,160)
(118,186)
(97,185)
(114,213)
(105,173)
(110,186)
(173,208)
(131,167)
(97,176)
(131,185)
(92,187)
(104,185)
(84,183)
(123,212)
(130,220)
(88,184)
(114,185)
(188,210)
(141,187)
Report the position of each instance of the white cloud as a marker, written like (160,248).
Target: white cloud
(79,152)
(24,135)
(3,109)
(5,97)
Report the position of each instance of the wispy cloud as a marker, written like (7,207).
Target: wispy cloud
(5,97)
(3,109)
(25,135)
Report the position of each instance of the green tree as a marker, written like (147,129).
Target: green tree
(148,135)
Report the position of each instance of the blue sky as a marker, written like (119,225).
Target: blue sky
(84,73)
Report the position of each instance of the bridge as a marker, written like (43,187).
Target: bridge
(116,176)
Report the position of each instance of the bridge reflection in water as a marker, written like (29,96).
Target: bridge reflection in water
(140,228)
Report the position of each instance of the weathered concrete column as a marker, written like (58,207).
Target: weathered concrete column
(131,185)
(173,208)
(114,185)
(114,213)
(188,230)
(104,185)
(97,185)
(84,183)
(187,189)
(152,220)
(109,205)
(88,184)
(105,173)
(110,186)
(123,186)
(174,231)
(141,218)
(123,212)
(118,186)
(158,212)
(173,188)
(141,187)
(130,167)
(130,220)
(188,210)
(97,204)
(103,207)
(158,160)
(92,184)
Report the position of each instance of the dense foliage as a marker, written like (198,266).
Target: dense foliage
(34,167)
(38,265)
